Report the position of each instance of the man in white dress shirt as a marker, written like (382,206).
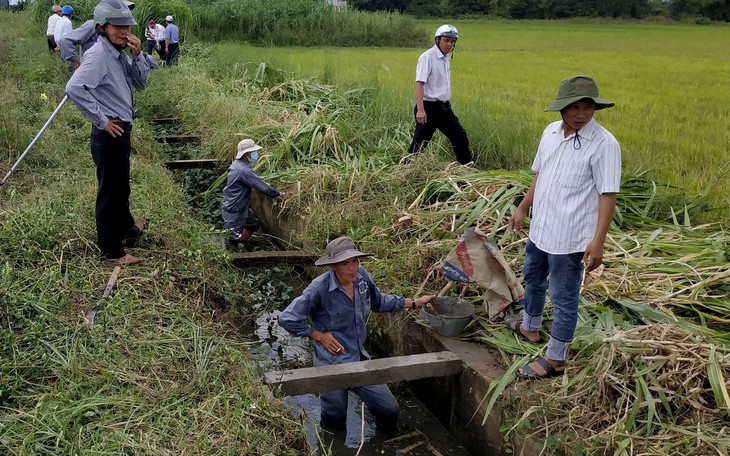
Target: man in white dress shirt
(433,94)
(573,196)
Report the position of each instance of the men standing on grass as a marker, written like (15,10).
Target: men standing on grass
(102,90)
(238,216)
(84,37)
(573,196)
(63,26)
(52,21)
(333,311)
(155,35)
(172,37)
(433,94)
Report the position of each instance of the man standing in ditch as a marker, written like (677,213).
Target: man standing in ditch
(172,45)
(102,90)
(333,311)
(573,196)
(433,94)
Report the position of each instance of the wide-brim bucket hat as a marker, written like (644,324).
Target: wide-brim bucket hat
(575,89)
(245,146)
(341,249)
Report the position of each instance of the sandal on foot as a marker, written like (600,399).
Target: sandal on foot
(514,324)
(528,373)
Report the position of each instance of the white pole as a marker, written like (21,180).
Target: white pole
(32,143)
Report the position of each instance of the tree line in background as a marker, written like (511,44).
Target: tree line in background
(716,10)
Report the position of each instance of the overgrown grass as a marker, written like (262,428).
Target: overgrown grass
(303,23)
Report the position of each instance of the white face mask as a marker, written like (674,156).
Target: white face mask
(254,156)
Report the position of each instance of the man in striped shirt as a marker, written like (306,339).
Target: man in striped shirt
(573,196)
(102,90)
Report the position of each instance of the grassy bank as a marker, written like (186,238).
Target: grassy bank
(163,372)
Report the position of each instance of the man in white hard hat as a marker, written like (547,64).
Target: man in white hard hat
(433,94)
(238,217)
(102,90)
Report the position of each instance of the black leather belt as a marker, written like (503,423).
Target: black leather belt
(438,102)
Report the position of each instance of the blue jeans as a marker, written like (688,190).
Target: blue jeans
(566,276)
(378,398)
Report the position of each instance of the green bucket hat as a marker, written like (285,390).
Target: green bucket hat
(578,88)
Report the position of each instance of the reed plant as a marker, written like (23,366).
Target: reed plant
(302,23)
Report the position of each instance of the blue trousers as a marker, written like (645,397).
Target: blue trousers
(565,273)
(378,398)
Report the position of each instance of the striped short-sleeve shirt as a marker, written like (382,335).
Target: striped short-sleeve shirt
(572,175)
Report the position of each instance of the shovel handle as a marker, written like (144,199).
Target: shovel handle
(112,282)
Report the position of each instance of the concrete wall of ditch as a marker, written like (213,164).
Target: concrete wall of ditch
(456,401)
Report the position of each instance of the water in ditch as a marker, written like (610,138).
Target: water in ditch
(419,432)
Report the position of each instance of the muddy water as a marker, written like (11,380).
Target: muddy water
(419,432)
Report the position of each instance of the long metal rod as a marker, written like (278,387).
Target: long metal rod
(32,143)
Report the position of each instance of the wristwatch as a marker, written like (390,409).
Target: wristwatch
(413,303)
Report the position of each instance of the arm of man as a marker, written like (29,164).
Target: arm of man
(257,183)
(515,222)
(74,38)
(420,110)
(139,70)
(593,256)
(86,78)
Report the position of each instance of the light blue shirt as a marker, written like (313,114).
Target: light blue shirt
(84,37)
(237,192)
(326,307)
(102,86)
(172,33)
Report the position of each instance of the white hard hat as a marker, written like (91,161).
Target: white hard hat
(447,30)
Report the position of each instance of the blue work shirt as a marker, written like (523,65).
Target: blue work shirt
(84,37)
(326,307)
(237,192)
(172,33)
(102,86)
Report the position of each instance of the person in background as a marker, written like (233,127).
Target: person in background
(172,38)
(63,26)
(151,61)
(238,216)
(573,196)
(433,92)
(52,20)
(84,37)
(155,35)
(102,90)
(333,311)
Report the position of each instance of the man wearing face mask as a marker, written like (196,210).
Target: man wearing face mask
(102,90)
(238,217)
(433,93)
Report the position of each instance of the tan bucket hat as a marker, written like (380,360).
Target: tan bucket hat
(341,249)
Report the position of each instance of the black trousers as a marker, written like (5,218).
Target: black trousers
(439,115)
(114,221)
(172,54)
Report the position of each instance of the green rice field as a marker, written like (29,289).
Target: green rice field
(670,84)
